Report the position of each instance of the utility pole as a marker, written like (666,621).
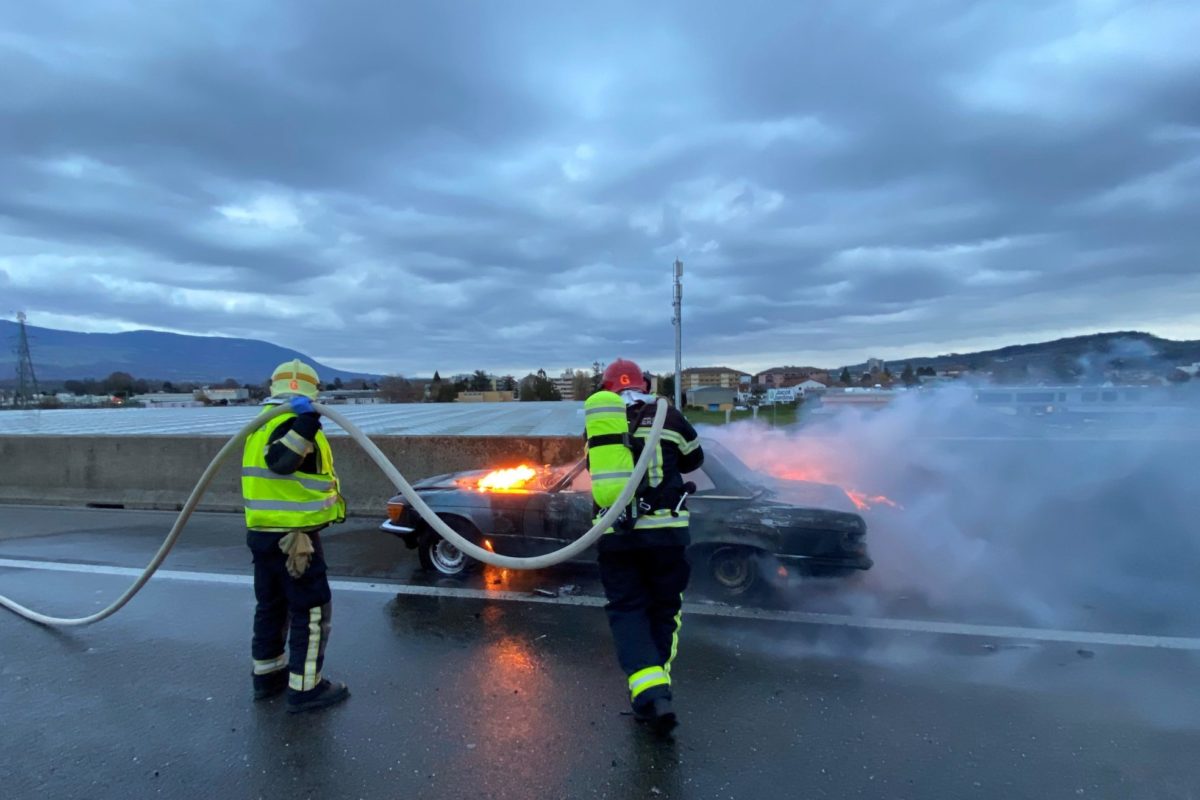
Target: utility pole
(678,322)
(27,387)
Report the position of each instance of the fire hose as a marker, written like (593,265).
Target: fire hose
(414,499)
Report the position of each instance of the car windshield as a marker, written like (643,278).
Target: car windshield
(734,466)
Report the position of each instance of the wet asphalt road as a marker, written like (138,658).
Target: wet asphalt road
(471,697)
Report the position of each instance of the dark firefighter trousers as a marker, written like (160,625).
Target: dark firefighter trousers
(292,613)
(644,587)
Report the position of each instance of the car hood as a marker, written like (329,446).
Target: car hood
(450,480)
(769,514)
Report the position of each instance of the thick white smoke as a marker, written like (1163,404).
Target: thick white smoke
(1005,521)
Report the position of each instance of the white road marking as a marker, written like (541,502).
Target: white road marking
(696,609)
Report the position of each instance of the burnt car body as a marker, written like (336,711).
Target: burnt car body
(749,531)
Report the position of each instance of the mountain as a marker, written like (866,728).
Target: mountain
(1081,357)
(63,355)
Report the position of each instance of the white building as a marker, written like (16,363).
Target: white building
(168,400)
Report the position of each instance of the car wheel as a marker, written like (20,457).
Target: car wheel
(438,555)
(735,572)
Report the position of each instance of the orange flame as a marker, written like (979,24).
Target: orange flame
(507,480)
(862,501)
(865,502)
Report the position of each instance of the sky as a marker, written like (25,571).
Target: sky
(404,187)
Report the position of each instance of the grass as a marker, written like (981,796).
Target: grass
(783,415)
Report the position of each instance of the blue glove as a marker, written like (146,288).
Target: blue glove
(302,405)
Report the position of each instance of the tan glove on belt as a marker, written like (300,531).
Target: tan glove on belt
(299,549)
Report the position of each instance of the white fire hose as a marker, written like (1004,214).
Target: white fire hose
(418,504)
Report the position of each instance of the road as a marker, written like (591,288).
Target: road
(487,690)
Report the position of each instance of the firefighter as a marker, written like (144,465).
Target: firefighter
(290,492)
(642,558)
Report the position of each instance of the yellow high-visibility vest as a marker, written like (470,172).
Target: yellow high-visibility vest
(303,500)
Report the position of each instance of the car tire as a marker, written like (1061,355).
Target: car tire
(441,557)
(734,573)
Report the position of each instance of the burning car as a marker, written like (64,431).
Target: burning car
(749,531)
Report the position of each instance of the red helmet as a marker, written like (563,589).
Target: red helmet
(623,374)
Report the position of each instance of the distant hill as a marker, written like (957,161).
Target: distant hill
(1084,356)
(63,355)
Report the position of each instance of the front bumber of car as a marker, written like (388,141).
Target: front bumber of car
(439,491)
(763,548)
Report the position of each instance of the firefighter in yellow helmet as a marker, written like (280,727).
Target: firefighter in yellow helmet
(642,558)
(290,492)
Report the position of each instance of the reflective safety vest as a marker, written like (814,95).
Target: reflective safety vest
(610,448)
(303,500)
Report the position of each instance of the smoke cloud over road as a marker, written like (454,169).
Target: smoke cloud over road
(973,515)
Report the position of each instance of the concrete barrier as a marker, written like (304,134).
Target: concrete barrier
(160,471)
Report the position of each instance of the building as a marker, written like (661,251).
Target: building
(713,398)
(699,377)
(779,377)
(565,384)
(484,397)
(222,397)
(168,400)
(350,397)
(812,387)
(875,365)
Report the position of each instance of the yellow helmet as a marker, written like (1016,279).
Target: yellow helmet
(295,377)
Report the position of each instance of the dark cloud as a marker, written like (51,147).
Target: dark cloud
(398,187)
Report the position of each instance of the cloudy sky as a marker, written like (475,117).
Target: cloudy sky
(403,187)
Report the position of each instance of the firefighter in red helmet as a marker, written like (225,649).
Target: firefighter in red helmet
(642,558)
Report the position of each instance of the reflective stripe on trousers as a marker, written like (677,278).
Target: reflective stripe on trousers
(311,676)
(647,678)
(265,667)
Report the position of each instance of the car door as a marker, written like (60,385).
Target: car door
(569,507)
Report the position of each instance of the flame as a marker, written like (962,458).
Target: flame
(865,502)
(507,480)
(862,500)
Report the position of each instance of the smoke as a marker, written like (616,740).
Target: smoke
(1096,365)
(1001,520)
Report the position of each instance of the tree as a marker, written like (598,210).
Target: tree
(230,383)
(908,377)
(480,381)
(337,383)
(666,385)
(581,384)
(74,387)
(444,392)
(887,375)
(395,389)
(538,387)
(926,372)
(844,379)
(597,374)
(506,384)
(119,384)
(169,387)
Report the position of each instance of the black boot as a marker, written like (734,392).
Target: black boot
(326,694)
(658,715)
(271,684)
